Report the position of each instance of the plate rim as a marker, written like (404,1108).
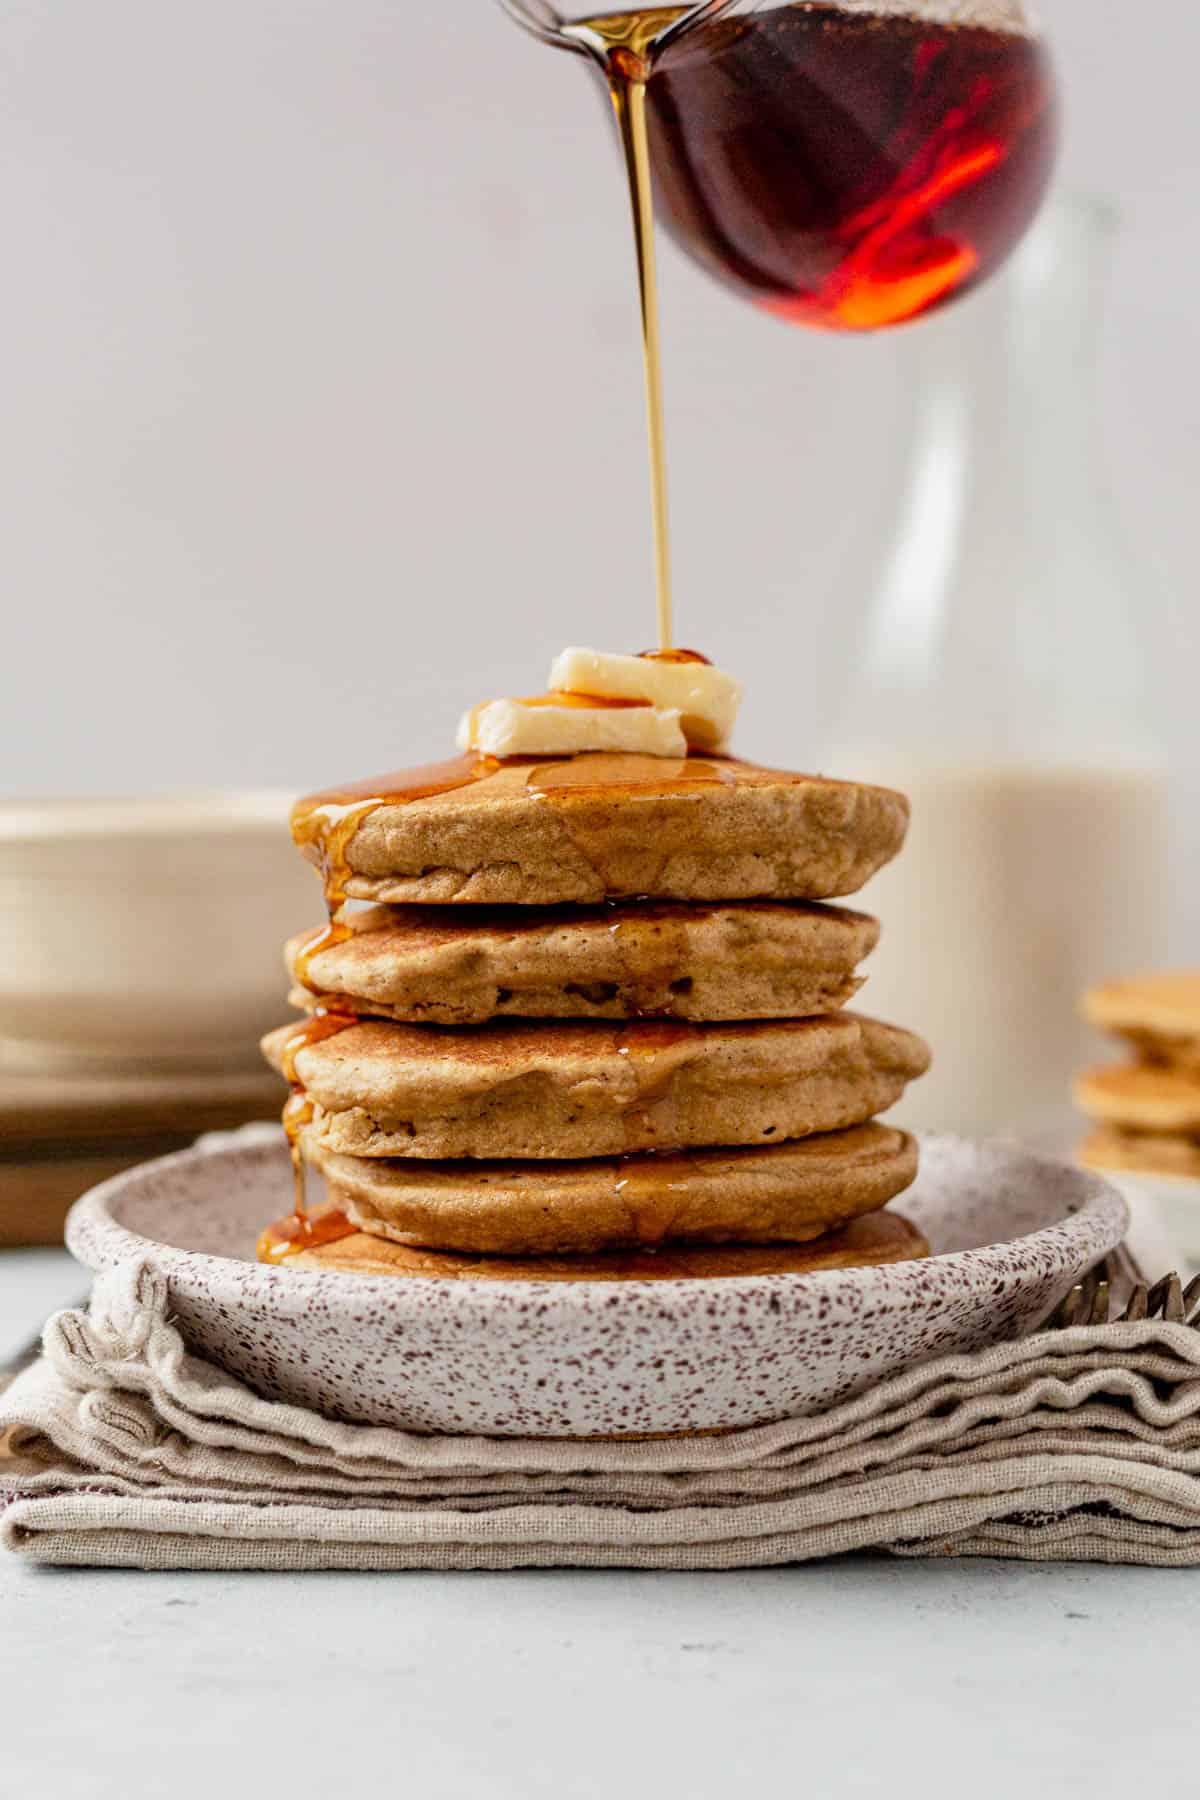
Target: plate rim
(1102,1214)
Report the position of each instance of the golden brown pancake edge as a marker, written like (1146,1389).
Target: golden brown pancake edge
(598,826)
(588,1089)
(711,962)
(785,1193)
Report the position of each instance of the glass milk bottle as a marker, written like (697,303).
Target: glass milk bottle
(1000,683)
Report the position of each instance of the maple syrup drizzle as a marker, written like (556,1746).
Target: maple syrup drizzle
(589,702)
(559,698)
(653,1185)
(324,824)
(307,1032)
(298,1108)
(602,773)
(627,42)
(651,945)
(675,656)
(644,1044)
(336,931)
(651,1196)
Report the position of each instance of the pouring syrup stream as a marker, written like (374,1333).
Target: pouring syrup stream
(627,85)
(626,57)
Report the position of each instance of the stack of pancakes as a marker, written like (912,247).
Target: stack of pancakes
(591,1024)
(1146,1111)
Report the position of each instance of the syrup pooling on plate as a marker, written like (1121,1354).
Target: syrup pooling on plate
(302,1231)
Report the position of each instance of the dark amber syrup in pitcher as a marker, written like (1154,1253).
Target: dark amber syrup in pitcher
(848,169)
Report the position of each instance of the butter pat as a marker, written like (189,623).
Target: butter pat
(514,728)
(705,699)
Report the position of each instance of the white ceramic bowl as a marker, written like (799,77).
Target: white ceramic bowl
(1012,1230)
(146,932)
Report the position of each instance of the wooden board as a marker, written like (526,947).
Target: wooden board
(58,1112)
(61,1135)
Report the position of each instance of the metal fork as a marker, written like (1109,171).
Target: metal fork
(1090,1301)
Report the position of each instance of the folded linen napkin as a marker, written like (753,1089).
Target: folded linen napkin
(120,1448)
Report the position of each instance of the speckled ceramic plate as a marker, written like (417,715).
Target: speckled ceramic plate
(1011,1232)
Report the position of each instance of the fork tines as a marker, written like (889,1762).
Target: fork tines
(1090,1301)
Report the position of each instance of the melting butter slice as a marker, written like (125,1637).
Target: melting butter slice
(542,728)
(704,699)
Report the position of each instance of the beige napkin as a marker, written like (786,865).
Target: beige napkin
(120,1448)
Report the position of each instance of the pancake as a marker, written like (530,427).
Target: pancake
(882,1237)
(517,1089)
(1141,1098)
(785,1193)
(437,965)
(587,828)
(1142,1153)
(1158,1014)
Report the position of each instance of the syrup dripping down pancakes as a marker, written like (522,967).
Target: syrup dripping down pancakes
(594,1024)
(445,965)
(548,1089)
(588,828)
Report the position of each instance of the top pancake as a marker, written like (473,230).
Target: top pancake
(583,829)
(1158,1014)
(442,965)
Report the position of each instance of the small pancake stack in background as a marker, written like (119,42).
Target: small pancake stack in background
(1146,1110)
(592,1023)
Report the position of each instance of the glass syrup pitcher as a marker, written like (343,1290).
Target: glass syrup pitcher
(846,166)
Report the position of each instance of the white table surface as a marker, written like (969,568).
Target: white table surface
(972,1679)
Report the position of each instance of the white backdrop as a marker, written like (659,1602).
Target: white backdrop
(321,413)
